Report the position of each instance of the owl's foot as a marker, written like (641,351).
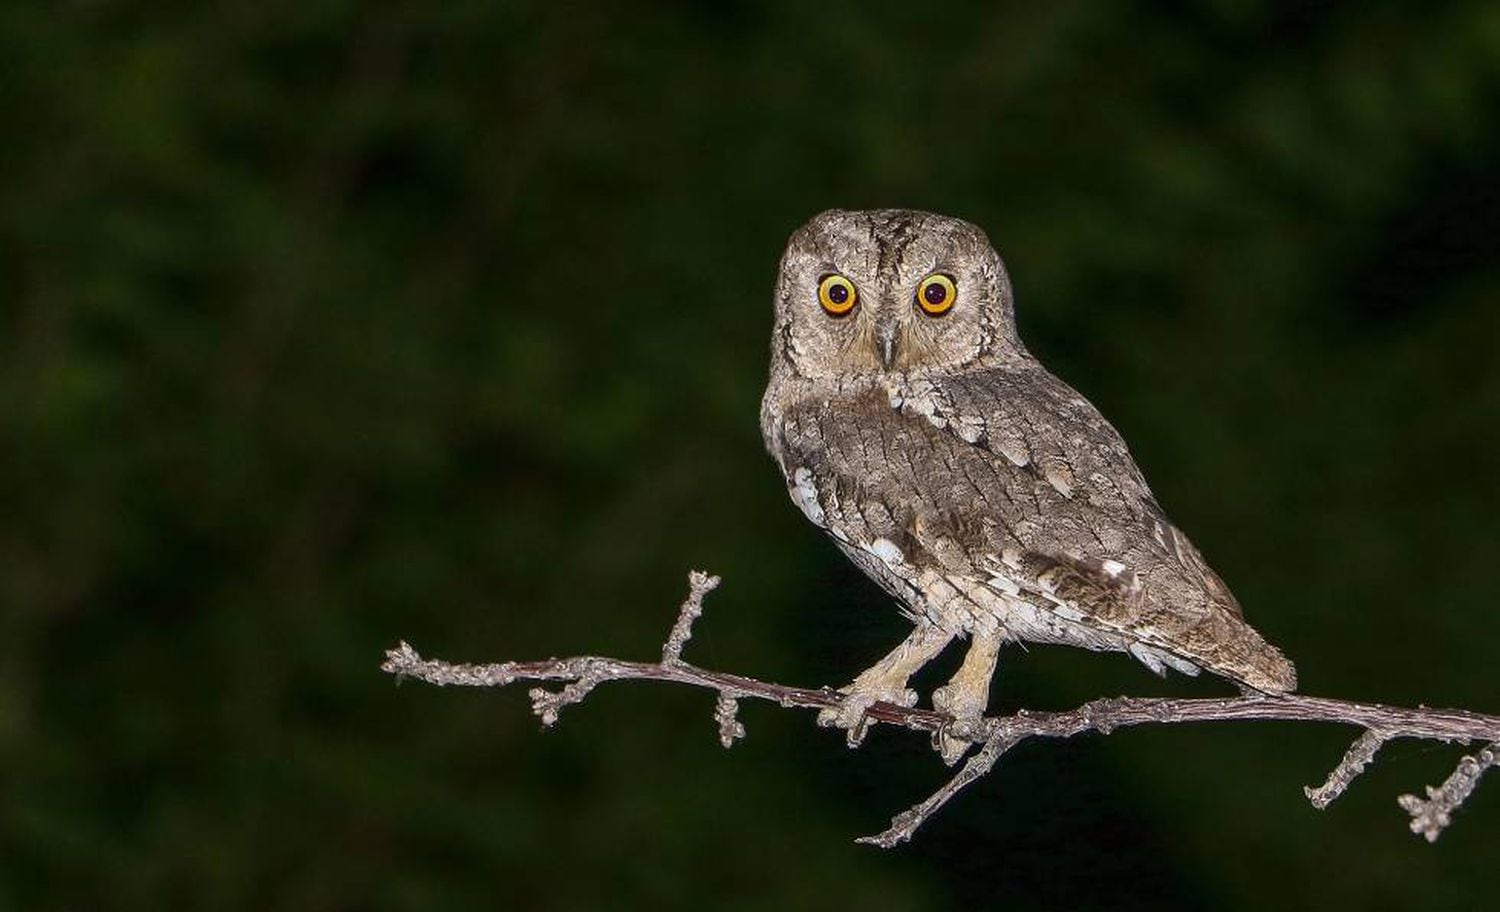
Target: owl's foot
(853,713)
(885,681)
(967,710)
(965,697)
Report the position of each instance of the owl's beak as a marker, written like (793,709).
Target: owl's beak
(886,336)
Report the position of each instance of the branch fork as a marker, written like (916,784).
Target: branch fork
(994,735)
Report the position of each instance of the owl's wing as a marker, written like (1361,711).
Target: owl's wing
(1047,430)
(984,486)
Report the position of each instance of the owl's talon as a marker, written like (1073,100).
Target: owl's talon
(950,748)
(853,713)
(966,706)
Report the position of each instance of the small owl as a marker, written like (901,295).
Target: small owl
(987,496)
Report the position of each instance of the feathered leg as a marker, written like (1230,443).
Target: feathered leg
(965,696)
(885,681)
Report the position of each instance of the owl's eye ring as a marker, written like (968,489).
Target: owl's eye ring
(837,294)
(936,294)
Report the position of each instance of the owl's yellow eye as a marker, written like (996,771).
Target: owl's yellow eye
(936,294)
(837,294)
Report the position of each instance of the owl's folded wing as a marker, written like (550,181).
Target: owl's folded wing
(938,500)
(1047,430)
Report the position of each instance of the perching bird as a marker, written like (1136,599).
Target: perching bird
(986,495)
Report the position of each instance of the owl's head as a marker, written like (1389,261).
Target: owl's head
(891,291)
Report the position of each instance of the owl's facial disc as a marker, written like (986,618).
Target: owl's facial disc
(890,291)
(933,298)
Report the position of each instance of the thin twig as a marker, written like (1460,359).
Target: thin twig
(699,585)
(1359,755)
(727,714)
(996,734)
(905,824)
(1429,818)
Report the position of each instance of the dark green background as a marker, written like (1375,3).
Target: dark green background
(327,325)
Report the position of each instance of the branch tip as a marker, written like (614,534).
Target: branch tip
(1431,816)
(1356,758)
(399,659)
(902,827)
(700,584)
(404,662)
(726,713)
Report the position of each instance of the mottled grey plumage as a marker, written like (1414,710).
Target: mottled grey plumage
(990,498)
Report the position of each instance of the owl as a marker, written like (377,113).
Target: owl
(988,497)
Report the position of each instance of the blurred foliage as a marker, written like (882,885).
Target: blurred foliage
(329,324)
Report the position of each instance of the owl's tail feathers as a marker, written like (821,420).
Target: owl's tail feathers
(1249,659)
(1220,641)
(1274,673)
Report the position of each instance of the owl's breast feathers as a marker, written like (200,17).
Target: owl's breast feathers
(1003,499)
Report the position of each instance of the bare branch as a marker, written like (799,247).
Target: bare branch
(699,585)
(904,824)
(726,713)
(1429,818)
(1359,755)
(994,735)
(547,704)
(403,662)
